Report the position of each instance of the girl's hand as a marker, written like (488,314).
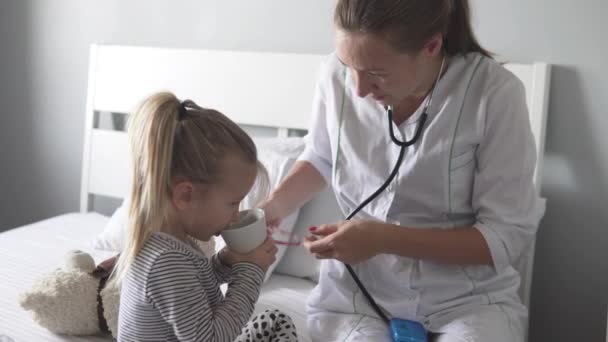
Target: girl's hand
(351,241)
(263,256)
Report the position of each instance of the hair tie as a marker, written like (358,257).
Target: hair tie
(182,111)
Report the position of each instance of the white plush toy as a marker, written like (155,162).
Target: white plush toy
(65,301)
(74,300)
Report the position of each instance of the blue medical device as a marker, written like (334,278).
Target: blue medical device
(403,330)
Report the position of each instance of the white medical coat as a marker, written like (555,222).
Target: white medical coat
(473,166)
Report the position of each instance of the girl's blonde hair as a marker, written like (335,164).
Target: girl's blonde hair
(169,139)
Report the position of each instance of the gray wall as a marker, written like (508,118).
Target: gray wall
(16,124)
(43,68)
(570,284)
(45,46)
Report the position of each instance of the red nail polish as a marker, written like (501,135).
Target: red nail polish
(312,229)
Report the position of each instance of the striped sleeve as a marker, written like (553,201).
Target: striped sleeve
(176,288)
(222,272)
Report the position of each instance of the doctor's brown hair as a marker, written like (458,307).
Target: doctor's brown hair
(410,24)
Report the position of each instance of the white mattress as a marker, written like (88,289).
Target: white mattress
(30,251)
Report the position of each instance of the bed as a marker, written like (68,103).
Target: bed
(21,266)
(268,93)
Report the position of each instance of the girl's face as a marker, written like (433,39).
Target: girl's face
(204,210)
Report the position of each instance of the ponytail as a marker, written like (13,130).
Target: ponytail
(459,36)
(151,135)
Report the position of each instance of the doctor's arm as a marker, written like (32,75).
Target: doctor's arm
(299,186)
(464,245)
(505,202)
(358,240)
(310,174)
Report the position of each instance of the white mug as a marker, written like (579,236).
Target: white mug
(248,232)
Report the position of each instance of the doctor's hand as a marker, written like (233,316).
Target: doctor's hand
(272,212)
(351,241)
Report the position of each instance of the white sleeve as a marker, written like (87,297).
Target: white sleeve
(318,147)
(504,196)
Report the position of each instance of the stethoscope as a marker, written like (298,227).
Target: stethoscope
(402,145)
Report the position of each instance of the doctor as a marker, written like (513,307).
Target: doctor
(438,245)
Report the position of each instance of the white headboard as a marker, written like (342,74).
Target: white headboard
(260,89)
(536,78)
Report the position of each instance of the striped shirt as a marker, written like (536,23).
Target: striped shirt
(171,293)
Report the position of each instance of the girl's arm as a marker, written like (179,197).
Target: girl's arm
(175,287)
(221,271)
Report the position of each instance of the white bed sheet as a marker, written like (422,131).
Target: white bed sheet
(30,251)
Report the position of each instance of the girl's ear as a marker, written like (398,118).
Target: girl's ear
(182,195)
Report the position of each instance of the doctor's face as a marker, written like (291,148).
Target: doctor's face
(380,71)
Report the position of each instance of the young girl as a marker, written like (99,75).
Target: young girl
(191,169)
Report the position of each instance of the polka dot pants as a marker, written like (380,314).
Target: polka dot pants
(269,326)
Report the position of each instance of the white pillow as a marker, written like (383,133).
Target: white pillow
(322,209)
(111,237)
(277,155)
